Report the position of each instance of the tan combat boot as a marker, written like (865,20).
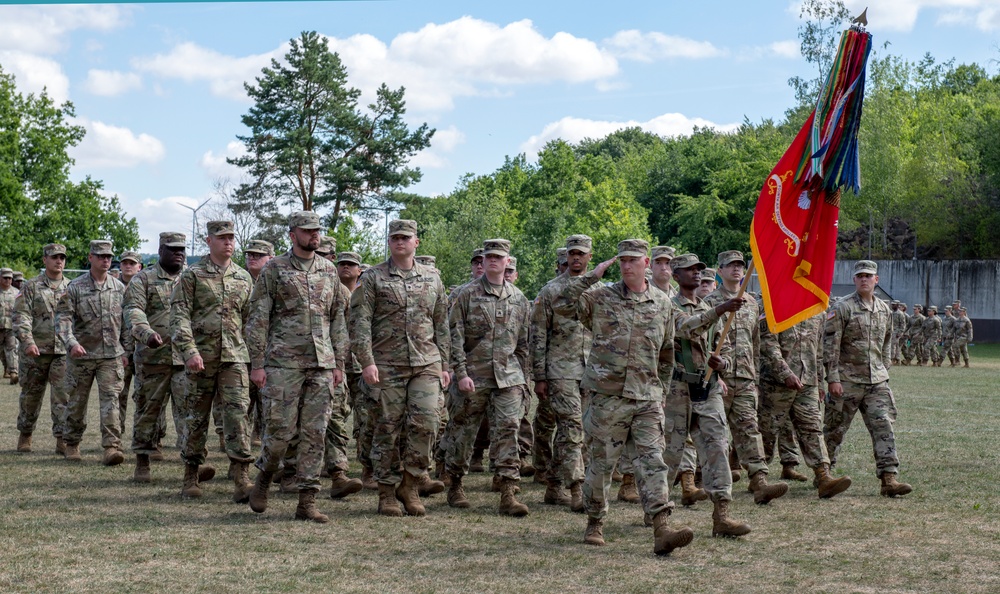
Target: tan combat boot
(690,494)
(112,457)
(368,479)
(723,525)
(576,497)
(666,540)
(190,489)
(495,485)
(24,443)
(508,505)
(595,532)
(827,485)
(73,452)
(60,446)
(288,484)
(788,473)
(526,469)
(341,486)
(141,474)
(205,473)
(628,491)
(157,456)
(456,494)
(387,504)
(242,487)
(258,496)
(555,494)
(426,486)
(406,493)
(476,465)
(891,488)
(13,378)
(763,493)
(306,510)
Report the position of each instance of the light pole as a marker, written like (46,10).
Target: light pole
(194,220)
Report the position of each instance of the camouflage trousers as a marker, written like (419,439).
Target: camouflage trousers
(705,423)
(255,412)
(409,400)
(624,464)
(932,352)
(788,447)
(366,412)
(525,433)
(948,349)
(741,412)
(80,376)
(230,381)
(917,348)
(878,409)
(896,347)
(961,348)
(9,343)
(544,430)
(34,373)
(337,436)
(467,411)
(617,425)
(155,386)
(779,405)
(689,459)
(124,395)
(565,403)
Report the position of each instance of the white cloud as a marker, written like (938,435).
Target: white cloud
(43,30)
(158,215)
(34,73)
(444,141)
(901,15)
(106,145)
(192,63)
(785,49)
(215,165)
(110,83)
(574,130)
(649,47)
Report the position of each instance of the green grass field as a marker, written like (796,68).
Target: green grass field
(86,528)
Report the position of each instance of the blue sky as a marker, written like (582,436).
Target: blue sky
(159,86)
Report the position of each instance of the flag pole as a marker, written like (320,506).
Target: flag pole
(729,320)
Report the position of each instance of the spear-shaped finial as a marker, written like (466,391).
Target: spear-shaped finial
(862,19)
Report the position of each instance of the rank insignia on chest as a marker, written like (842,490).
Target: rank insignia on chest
(499,312)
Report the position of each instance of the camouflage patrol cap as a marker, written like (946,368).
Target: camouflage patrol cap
(901,304)
(729,256)
(219,228)
(53,249)
(365,267)
(6,273)
(962,310)
(581,243)
(917,306)
(101,247)
(496,247)
(947,308)
(349,258)
(894,302)
(304,219)
(708,274)
(477,253)
(402,227)
(865,267)
(327,245)
(663,251)
(932,308)
(259,246)
(562,255)
(134,256)
(18,275)
(173,239)
(512,265)
(637,248)
(426,260)
(687,261)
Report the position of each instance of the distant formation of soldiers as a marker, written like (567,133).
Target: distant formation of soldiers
(636,382)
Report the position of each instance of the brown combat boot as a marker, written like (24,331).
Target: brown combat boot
(406,493)
(24,443)
(540,478)
(258,496)
(456,494)
(368,479)
(288,484)
(526,469)
(763,492)
(60,446)
(476,465)
(495,485)
(690,494)
(426,486)
(190,489)
(141,474)
(595,532)
(827,485)
(206,472)
(73,452)
(508,505)
(555,494)
(576,503)
(891,488)
(306,510)
(13,378)
(157,456)
(788,473)
(387,504)
(112,457)
(966,364)
(341,486)
(666,540)
(628,491)
(242,487)
(723,525)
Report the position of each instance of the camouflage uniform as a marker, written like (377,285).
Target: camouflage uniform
(963,336)
(129,345)
(931,333)
(208,308)
(916,331)
(899,327)
(632,350)
(948,335)
(7,338)
(35,325)
(91,316)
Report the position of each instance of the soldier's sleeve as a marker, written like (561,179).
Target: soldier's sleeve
(134,306)
(259,320)
(124,333)
(887,346)
(521,349)
(969,323)
(665,363)
(362,308)
(692,326)
(456,323)
(338,326)
(574,299)
(834,334)
(22,315)
(64,319)
(820,351)
(541,321)
(442,333)
(770,352)
(181,301)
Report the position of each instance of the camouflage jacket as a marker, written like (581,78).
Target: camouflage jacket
(297,315)
(859,341)
(489,335)
(948,327)
(670,291)
(801,351)
(916,327)
(963,329)
(147,311)
(7,308)
(208,308)
(633,336)
(352,360)
(932,329)
(91,316)
(743,337)
(400,318)
(698,323)
(35,314)
(560,344)
(900,323)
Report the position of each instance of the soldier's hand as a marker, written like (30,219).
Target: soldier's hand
(731,305)
(32,351)
(716,362)
(195,363)
(155,340)
(77,352)
(370,374)
(466,385)
(125,362)
(338,377)
(259,378)
(836,389)
(793,382)
(601,268)
(542,389)
(822,394)
(725,388)
(445,380)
